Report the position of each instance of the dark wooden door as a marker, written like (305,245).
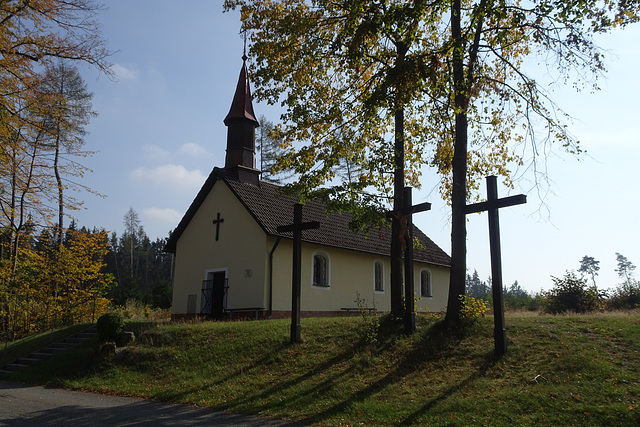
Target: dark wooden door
(218,294)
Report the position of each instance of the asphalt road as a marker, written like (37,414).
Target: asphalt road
(29,405)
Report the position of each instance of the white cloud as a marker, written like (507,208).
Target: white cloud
(175,176)
(163,215)
(124,73)
(193,149)
(155,152)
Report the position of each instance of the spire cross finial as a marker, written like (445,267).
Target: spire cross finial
(244,50)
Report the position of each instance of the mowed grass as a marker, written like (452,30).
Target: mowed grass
(559,370)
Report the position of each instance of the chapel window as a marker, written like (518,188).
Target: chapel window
(378,277)
(425,284)
(320,270)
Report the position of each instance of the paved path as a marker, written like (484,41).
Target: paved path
(28,405)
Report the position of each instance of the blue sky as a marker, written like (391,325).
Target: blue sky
(160,132)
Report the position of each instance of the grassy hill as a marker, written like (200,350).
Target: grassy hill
(559,370)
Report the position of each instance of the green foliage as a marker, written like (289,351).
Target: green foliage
(133,309)
(625,297)
(370,320)
(588,265)
(140,266)
(110,326)
(625,267)
(472,309)
(514,296)
(571,294)
(270,150)
(50,285)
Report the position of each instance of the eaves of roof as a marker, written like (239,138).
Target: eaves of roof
(271,208)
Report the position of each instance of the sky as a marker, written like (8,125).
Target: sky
(160,132)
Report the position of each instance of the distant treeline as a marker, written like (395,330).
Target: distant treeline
(141,269)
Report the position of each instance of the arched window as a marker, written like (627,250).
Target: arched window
(321,270)
(378,276)
(425,284)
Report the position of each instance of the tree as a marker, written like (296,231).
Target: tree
(270,151)
(34,36)
(37,33)
(476,288)
(132,232)
(52,284)
(348,73)
(66,108)
(409,83)
(588,265)
(490,92)
(141,267)
(625,267)
(570,294)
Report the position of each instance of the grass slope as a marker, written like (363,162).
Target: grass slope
(564,370)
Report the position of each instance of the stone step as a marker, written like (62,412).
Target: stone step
(48,351)
(61,345)
(40,355)
(75,340)
(12,367)
(87,335)
(27,360)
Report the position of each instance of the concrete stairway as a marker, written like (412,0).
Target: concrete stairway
(49,350)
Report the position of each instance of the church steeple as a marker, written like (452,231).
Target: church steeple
(241,123)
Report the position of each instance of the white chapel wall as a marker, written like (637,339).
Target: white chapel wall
(351,275)
(239,250)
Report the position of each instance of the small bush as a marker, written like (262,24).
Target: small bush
(370,321)
(136,310)
(625,297)
(570,294)
(472,308)
(110,326)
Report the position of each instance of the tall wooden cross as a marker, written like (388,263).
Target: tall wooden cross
(406,235)
(297,227)
(217,223)
(491,206)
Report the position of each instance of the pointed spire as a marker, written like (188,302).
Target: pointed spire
(240,160)
(242,107)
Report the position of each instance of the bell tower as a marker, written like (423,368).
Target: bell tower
(240,160)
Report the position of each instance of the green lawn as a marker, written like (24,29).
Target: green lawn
(559,370)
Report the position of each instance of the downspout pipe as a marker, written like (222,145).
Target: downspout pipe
(275,246)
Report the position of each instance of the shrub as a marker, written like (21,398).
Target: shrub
(625,297)
(472,308)
(110,326)
(570,294)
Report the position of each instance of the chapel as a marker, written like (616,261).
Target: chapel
(231,260)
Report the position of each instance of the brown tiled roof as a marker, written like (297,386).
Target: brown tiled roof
(271,208)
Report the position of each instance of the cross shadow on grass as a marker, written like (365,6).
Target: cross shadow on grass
(436,342)
(321,379)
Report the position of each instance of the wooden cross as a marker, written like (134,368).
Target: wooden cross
(217,222)
(406,235)
(491,206)
(297,227)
